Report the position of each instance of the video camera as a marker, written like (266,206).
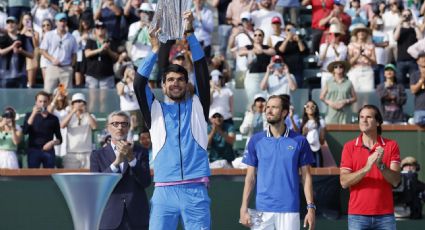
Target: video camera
(408,196)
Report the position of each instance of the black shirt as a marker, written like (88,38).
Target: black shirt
(406,39)
(42,130)
(101,65)
(420,95)
(292,56)
(6,60)
(259,65)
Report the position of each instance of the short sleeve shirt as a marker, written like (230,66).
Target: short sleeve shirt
(373,194)
(278,161)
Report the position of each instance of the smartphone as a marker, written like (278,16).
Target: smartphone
(277,65)
(293,31)
(28,24)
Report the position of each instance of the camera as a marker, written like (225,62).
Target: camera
(7,114)
(409,196)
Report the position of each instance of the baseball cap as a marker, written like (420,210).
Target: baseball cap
(277,58)
(246,15)
(340,2)
(390,66)
(10,19)
(78,97)
(258,96)
(146,7)
(217,110)
(276,19)
(60,16)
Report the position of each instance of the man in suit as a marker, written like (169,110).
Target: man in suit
(128,206)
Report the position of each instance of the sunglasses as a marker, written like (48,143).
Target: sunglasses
(78,101)
(339,66)
(258,35)
(310,106)
(47,25)
(123,124)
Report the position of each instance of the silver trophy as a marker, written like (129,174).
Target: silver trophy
(86,195)
(168,17)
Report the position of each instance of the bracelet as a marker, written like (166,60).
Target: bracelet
(311,205)
(122,81)
(189,31)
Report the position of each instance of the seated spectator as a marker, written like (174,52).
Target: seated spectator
(332,50)
(392,97)
(58,107)
(41,128)
(361,55)
(254,120)
(221,136)
(314,129)
(203,25)
(221,96)
(292,49)
(380,41)
(417,87)
(146,143)
(278,79)
(338,94)
(10,137)
(14,48)
(100,58)
(258,58)
(79,123)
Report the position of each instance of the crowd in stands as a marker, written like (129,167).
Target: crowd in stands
(358,46)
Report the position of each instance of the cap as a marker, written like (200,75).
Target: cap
(78,97)
(10,19)
(340,2)
(408,161)
(258,96)
(246,15)
(215,72)
(217,110)
(276,58)
(60,16)
(390,66)
(98,23)
(146,7)
(276,19)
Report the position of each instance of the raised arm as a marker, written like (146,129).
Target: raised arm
(143,93)
(200,66)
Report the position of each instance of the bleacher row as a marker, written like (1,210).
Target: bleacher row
(102,102)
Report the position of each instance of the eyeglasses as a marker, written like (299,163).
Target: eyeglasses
(258,35)
(123,124)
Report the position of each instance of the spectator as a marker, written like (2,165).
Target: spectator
(320,10)
(128,206)
(59,48)
(314,129)
(361,54)
(258,58)
(290,10)
(406,34)
(235,10)
(221,136)
(79,123)
(82,35)
(10,137)
(128,100)
(278,80)
(357,14)
(367,163)
(131,11)
(254,120)
(110,14)
(263,16)
(332,50)
(146,143)
(26,30)
(417,87)
(241,36)
(278,34)
(14,48)
(380,41)
(392,97)
(292,120)
(41,126)
(338,94)
(78,12)
(46,27)
(100,57)
(41,11)
(15,8)
(203,25)
(392,18)
(277,153)
(339,17)
(221,96)
(59,108)
(3,17)
(224,28)
(219,62)
(292,49)
(122,63)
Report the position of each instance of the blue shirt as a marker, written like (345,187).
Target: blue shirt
(277,161)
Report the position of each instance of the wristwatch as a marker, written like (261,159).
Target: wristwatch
(311,205)
(381,167)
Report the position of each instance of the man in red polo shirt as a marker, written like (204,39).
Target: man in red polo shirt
(370,166)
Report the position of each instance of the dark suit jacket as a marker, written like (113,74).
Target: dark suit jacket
(130,190)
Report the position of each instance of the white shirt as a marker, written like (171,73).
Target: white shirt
(79,136)
(331,55)
(204,28)
(138,50)
(242,40)
(115,169)
(381,55)
(279,85)
(262,19)
(222,99)
(391,21)
(128,101)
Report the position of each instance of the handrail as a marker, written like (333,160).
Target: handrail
(214,172)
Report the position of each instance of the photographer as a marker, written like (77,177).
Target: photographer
(41,126)
(409,195)
(100,60)
(406,34)
(10,137)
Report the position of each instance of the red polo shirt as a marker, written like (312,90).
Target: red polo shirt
(373,194)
